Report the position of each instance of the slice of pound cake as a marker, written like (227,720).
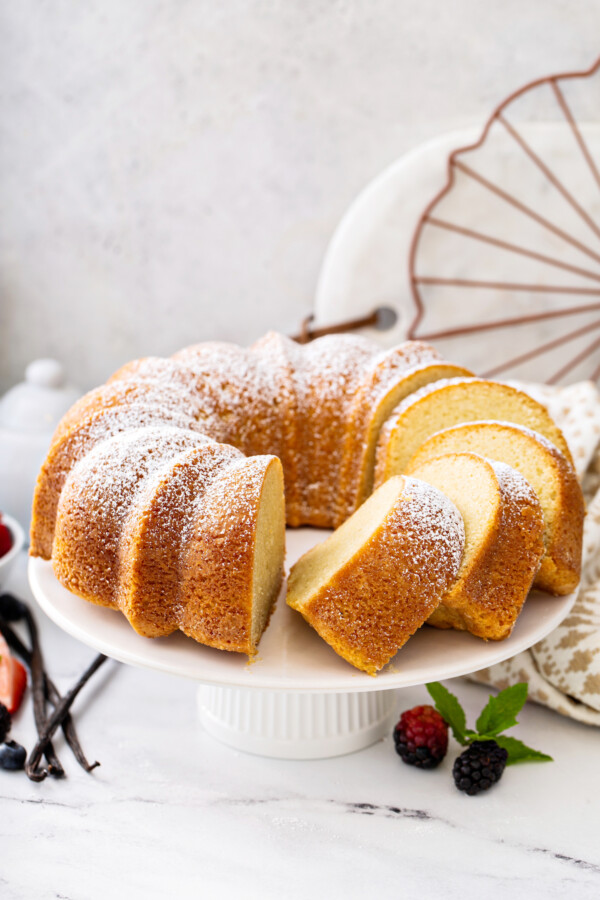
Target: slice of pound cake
(504,542)
(550,475)
(452,402)
(375,580)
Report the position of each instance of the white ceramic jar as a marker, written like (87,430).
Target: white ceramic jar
(29,413)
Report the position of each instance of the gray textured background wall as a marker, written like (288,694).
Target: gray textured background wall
(172,171)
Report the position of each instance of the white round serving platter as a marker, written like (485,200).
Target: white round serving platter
(291,657)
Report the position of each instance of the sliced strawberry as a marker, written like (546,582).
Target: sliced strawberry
(19,685)
(13,679)
(5,539)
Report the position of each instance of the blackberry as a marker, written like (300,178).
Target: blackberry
(479,767)
(421,737)
(5,722)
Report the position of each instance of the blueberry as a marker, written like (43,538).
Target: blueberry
(12,755)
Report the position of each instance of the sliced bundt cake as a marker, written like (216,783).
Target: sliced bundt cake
(550,475)
(119,454)
(375,580)
(150,441)
(503,542)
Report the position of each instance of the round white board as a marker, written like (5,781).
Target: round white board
(291,656)
(366,265)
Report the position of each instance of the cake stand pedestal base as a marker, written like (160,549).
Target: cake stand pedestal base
(295,725)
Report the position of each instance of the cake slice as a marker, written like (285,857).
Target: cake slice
(550,475)
(375,580)
(452,402)
(233,565)
(503,542)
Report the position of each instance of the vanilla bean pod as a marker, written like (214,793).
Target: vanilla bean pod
(38,690)
(13,610)
(31,766)
(36,669)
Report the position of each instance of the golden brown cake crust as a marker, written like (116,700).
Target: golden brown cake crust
(218,567)
(325,376)
(375,601)
(95,502)
(495,579)
(156,534)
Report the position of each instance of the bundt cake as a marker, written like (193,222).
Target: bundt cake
(375,580)
(318,408)
(452,402)
(550,475)
(162,494)
(503,542)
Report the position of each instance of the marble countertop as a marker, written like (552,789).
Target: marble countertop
(171,812)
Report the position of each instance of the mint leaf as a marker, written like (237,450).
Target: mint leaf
(498,714)
(520,752)
(500,711)
(450,710)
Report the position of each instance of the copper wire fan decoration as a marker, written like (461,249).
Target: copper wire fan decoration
(549,223)
(511,244)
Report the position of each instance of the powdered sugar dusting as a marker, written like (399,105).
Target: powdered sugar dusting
(107,477)
(325,377)
(399,362)
(430,389)
(514,485)
(438,531)
(276,397)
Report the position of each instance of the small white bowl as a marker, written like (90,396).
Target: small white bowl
(18,538)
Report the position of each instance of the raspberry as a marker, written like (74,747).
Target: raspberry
(5,539)
(421,737)
(479,767)
(5,722)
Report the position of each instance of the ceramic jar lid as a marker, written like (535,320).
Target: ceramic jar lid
(38,403)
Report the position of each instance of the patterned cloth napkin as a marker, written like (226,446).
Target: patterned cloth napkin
(563,670)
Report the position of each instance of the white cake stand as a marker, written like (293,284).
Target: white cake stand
(298,699)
